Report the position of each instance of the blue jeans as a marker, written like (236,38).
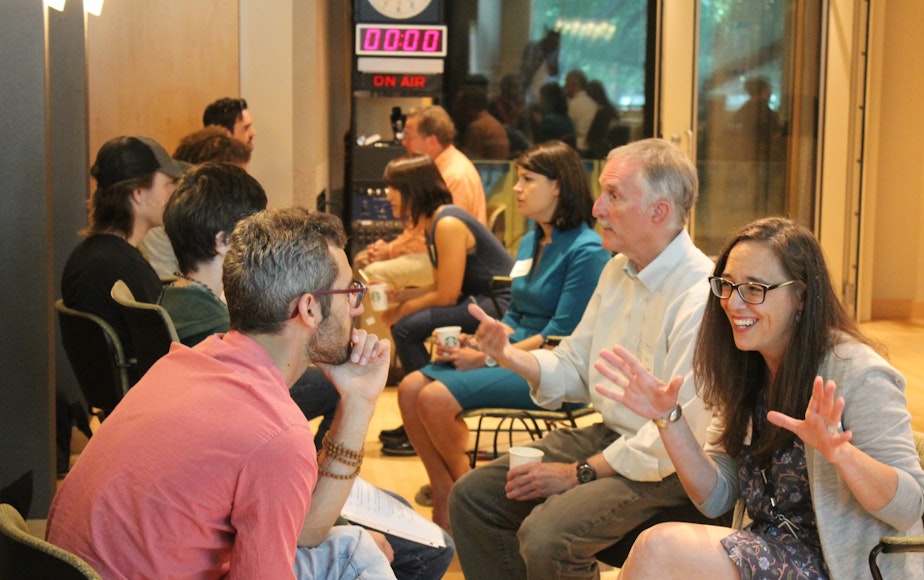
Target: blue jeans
(316,396)
(347,553)
(416,561)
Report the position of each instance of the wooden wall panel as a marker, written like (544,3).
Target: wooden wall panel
(153,66)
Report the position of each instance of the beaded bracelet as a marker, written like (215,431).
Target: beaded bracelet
(340,453)
(325,473)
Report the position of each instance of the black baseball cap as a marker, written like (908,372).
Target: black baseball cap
(130,157)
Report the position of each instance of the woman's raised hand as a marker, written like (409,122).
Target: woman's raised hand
(639,390)
(821,427)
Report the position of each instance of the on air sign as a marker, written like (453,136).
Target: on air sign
(398,83)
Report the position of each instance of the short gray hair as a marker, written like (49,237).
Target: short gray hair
(664,173)
(275,256)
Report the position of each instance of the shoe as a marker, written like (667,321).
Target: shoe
(386,435)
(424,496)
(398,448)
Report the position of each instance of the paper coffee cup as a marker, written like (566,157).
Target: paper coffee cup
(448,335)
(524,455)
(379,296)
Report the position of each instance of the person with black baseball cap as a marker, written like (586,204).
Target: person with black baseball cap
(134,178)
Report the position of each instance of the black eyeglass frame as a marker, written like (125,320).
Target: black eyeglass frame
(356,287)
(737,287)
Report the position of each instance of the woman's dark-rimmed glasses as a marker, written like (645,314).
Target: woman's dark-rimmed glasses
(750,292)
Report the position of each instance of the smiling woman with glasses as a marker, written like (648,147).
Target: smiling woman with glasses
(750,292)
(811,437)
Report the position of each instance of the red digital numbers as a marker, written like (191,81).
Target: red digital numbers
(401,40)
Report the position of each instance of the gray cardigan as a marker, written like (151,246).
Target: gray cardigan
(877,413)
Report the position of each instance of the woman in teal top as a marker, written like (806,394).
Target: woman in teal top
(555,273)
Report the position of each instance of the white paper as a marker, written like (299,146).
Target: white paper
(371,507)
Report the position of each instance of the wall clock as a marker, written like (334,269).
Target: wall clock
(400,9)
(406,11)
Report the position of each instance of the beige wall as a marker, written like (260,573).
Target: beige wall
(153,66)
(894,187)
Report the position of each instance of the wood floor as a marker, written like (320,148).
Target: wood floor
(903,338)
(905,342)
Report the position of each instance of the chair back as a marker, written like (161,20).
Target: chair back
(149,326)
(498,283)
(96,356)
(496,223)
(22,555)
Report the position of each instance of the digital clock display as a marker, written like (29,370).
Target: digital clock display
(400,40)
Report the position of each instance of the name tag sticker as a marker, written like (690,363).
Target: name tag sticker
(521,268)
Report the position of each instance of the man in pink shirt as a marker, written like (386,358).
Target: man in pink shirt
(207,468)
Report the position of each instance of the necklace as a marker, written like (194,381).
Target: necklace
(197,283)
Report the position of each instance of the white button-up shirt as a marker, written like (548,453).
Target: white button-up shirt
(654,314)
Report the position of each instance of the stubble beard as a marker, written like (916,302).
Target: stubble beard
(330,344)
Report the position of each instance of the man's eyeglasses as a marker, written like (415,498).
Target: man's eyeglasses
(357,292)
(750,292)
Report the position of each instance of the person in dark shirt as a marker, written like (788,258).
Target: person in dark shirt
(134,176)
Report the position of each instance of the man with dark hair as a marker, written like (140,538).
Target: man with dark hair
(210,144)
(207,468)
(134,178)
(199,218)
(232,114)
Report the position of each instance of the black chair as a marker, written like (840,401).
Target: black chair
(535,422)
(898,544)
(151,330)
(96,356)
(498,283)
(23,555)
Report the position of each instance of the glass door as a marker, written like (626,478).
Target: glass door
(750,113)
(742,88)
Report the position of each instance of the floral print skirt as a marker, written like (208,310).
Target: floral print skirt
(782,540)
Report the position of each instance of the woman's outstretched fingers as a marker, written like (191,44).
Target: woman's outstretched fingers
(609,393)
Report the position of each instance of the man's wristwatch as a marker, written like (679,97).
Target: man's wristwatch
(671,417)
(585,473)
(489,362)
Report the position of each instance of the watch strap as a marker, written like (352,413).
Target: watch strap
(672,417)
(585,472)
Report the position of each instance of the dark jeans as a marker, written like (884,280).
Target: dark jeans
(411,332)
(557,537)
(316,396)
